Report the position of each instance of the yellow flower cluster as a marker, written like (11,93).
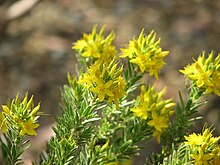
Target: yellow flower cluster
(21,116)
(105,80)
(205,73)
(96,46)
(152,108)
(146,53)
(204,148)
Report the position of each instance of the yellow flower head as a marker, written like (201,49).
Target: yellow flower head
(28,127)
(20,115)
(104,79)
(154,109)
(205,73)
(149,101)
(96,46)
(146,53)
(159,122)
(194,139)
(204,148)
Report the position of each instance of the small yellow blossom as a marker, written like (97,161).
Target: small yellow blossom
(87,79)
(194,139)
(103,89)
(144,107)
(20,115)
(158,122)
(28,127)
(118,90)
(151,107)
(140,111)
(146,53)
(205,73)
(201,158)
(149,101)
(96,46)
(204,148)
(104,79)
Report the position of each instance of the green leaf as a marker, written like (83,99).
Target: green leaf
(91,120)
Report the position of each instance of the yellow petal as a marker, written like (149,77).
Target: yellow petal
(6,109)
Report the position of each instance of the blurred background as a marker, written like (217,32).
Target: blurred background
(36,38)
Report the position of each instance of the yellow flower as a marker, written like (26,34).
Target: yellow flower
(28,127)
(194,139)
(154,68)
(158,122)
(103,89)
(20,115)
(118,90)
(205,73)
(144,106)
(87,79)
(96,46)
(151,107)
(104,79)
(141,60)
(150,101)
(201,158)
(140,112)
(146,53)
(204,148)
